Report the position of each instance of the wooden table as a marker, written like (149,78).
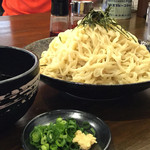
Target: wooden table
(128,118)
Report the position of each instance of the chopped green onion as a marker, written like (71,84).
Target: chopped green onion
(53,147)
(60,142)
(44,139)
(93,131)
(58,135)
(45,147)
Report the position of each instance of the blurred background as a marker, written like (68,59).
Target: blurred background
(139,6)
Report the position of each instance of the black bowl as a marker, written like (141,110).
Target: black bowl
(103,134)
(19,78)
(97,92)
(87,91)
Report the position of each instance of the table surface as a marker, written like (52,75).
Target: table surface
(128,118)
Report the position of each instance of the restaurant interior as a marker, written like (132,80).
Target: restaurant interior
(75,75)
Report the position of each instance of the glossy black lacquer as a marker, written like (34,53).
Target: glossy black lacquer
(87,91)
(103,134)
(19,77)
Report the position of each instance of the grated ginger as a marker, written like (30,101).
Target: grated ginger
(84,141)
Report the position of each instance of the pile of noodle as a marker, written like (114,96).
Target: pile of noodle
(96,56)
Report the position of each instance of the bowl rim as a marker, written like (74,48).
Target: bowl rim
(36,63)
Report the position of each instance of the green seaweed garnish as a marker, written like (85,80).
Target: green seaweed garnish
(103,19)
(60,38)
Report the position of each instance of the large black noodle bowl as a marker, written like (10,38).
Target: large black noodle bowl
(19,78)
(87,91)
